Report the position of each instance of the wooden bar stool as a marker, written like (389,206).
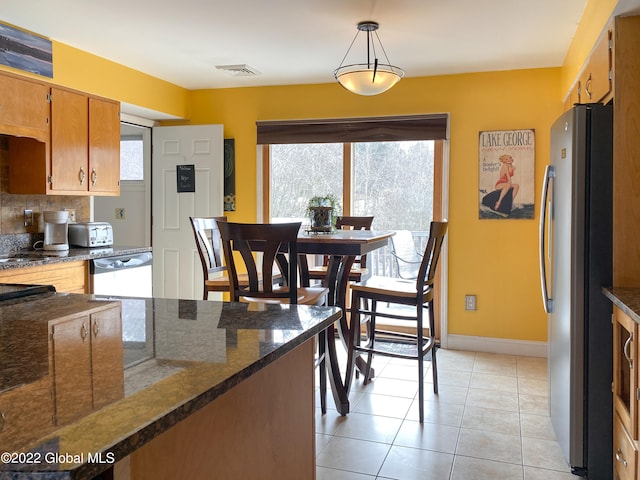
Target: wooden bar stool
(415,293)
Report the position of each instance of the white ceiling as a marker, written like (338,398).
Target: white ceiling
(303,41)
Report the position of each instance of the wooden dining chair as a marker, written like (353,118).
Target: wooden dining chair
(207,238)
(359,269)
(271,242)
(418,293)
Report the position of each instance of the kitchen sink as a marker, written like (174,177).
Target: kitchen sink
(23,257)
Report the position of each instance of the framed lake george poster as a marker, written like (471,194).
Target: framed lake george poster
(506,176)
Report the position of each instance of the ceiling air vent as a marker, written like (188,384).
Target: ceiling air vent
(242,70)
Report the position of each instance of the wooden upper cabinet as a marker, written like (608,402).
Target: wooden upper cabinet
(69,141)
(81,154)
(596,78)
(24,107)
(104,147)
(573,97)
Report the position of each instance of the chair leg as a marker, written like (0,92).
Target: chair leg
(434,366)
(353,340)
(434,369)
(371,340)
(420,345)
(322,352)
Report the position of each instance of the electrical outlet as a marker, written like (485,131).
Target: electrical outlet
(72,214)
(469,302)
(120,213)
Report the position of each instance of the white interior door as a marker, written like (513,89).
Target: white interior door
(176,268)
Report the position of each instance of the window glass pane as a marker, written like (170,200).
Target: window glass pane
(394,182)
(131,159)
(302,171)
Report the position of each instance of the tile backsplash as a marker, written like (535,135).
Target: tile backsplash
(12,206)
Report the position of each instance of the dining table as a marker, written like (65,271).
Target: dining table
(342,247)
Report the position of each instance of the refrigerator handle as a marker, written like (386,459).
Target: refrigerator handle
(544,211)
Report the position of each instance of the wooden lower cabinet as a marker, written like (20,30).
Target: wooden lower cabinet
(625,452)
(625,396)
(70,277)
(87,362)
(25,413)
(264,427)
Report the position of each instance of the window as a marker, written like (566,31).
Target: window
(382,166)
(392,180)
(131,158)
(299,172)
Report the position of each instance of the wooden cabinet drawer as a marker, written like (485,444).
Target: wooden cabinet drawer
(68,277)
(625,453)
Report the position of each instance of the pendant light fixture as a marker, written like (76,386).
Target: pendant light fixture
(369,78)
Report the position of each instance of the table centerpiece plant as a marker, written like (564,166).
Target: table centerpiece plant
(321,209)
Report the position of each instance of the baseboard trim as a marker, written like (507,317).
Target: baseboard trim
(497,345)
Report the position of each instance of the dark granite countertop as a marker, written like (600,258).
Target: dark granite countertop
(625,298)
(178,356)
(32,258)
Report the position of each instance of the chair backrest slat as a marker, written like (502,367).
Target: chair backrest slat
(427,272)
(271,241)
(207,238)
(353,223)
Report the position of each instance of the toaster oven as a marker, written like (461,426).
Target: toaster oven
(91,234)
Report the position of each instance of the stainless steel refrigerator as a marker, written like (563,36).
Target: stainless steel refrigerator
(575,262)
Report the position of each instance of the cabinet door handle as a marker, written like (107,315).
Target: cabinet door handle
(94,177)
(83,331)
(626,351)
(82,175)
(3,420)
(96,329)
(620,458)
(587,86)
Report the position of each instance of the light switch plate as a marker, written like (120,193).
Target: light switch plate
(28,218)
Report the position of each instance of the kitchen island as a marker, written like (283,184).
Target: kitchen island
(191,389)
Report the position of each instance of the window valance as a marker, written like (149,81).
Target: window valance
(345,130)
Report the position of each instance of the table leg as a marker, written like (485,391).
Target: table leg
(338,276)
(340,393)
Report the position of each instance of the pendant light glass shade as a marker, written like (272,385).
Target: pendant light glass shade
(371,78)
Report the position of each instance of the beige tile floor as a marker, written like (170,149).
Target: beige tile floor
(489,421)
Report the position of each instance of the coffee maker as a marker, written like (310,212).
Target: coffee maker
(56,230)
